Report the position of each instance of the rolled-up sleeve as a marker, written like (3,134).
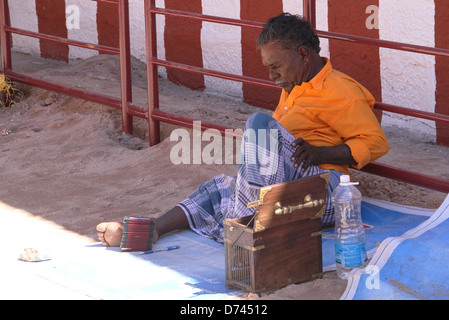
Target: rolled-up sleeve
(359,129)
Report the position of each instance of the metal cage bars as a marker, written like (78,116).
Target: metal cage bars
(156,115)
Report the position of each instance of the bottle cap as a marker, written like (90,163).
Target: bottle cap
(345,180)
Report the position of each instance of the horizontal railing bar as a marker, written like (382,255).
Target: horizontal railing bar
(375,168)
(407,176)
(207,18)
(228,76)
(214,73)
(77,93)
(412,112)
(324,34)
(62,40)
(379,169)
(187,122)
(137,111)
(384,43)
(43,84)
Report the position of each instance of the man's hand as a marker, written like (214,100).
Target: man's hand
(312,155)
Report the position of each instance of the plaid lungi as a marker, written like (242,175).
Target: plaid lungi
(265,159)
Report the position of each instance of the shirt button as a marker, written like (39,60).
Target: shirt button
(285,108)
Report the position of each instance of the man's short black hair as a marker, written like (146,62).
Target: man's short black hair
(292,30)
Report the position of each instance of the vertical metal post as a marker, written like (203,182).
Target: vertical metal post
(152,80)
(5,45)
(5,37)
(309,8)
(125,65)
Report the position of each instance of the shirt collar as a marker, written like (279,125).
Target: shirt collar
(317,81)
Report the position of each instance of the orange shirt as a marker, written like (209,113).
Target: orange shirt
(332,109)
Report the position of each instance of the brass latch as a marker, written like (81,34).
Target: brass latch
(262,192)
(308,203)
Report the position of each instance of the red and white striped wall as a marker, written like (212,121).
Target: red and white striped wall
(401,78)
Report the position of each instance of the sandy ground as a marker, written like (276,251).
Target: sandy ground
(66,160)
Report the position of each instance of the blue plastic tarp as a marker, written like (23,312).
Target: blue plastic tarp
(408,246)
(409,266)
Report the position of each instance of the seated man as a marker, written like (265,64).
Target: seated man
(323,123)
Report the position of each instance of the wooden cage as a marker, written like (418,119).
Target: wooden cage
(281,243)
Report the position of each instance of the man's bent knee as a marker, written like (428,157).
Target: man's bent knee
(259,121)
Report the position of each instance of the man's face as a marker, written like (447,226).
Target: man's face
(285,67)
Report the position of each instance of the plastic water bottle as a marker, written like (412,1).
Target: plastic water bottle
(350,248)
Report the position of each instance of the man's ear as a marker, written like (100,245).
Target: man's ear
(303,53)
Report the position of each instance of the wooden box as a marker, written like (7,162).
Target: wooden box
(281,243)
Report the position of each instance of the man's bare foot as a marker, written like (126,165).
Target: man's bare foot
(110,233)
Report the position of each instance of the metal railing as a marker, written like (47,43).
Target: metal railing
(124,103)
(154,115)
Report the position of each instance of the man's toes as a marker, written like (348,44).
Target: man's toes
(102,226)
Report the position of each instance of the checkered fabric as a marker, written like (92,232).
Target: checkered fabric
(265,159)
